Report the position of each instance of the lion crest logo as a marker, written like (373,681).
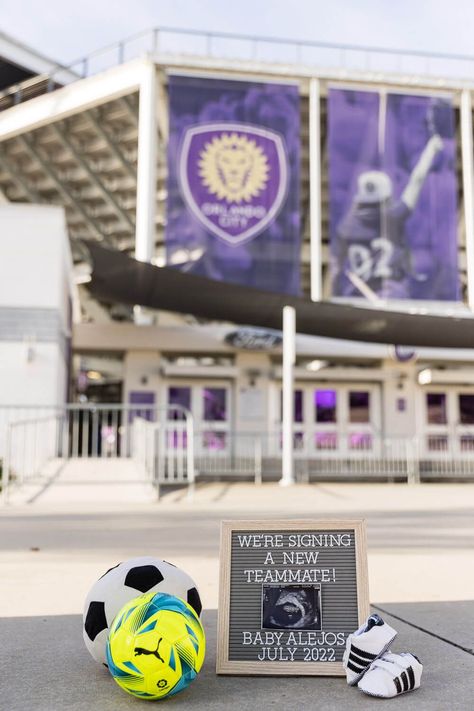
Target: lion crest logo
(233,178)
(233,167)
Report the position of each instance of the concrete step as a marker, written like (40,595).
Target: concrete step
(87,481)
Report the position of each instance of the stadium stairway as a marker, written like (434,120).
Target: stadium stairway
(87,481)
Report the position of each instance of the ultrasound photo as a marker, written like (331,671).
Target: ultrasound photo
(291,607)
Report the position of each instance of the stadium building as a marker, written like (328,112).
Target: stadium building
(372,204)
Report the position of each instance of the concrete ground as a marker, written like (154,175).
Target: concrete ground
(421,567)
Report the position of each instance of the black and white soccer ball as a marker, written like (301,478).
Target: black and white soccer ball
(121,584)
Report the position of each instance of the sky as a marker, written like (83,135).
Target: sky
(66,30)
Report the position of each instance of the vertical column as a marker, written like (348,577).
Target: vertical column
(146,165)
(468,188)
(315,189)
(289,335)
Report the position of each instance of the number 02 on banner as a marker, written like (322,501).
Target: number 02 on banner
(290,594)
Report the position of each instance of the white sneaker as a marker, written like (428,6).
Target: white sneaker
(391,675)
(365,645)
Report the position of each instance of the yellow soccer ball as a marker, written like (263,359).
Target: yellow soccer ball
(156,646)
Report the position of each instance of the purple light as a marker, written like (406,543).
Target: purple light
(325,402)
(360,440)
(325,440)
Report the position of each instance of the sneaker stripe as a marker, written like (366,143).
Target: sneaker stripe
(357,660)
(362,654)
(411,677)
(398,685)
(404,679)
(354,668)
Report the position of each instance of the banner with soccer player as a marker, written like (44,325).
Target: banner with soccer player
(392,190)
(233,181)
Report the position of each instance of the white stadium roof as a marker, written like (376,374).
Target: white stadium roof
(77,145)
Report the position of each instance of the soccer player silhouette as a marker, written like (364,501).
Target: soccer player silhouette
(372,250)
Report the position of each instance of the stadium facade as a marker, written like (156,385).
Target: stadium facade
(101,140)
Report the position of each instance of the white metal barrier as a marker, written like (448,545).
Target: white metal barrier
(370,458)
(241,457)
(165,449)
(168,450)
(29,445)
(160,440)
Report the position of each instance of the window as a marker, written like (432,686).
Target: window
(359,406)
(180,396)
(325,440)
(298,441)
(298,400)
(466,409)
(215,441)
(360,440)
(467,443)
(436,408)
(214,404)
(437,443)
(325,402)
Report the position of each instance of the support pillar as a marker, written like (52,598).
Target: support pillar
(289,336)
(146,166)
(468,188)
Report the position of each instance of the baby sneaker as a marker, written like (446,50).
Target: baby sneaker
(364,646)
(391,675)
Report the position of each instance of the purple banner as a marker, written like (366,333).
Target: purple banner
(233,182)
(392,188)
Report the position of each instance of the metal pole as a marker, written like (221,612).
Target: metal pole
(289,335)
(258,460)
(468,188)
(146,166)
(315,189)
(6,464)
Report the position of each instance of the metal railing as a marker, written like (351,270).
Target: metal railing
(29,445)
(242,455)
(164,450)
(181,43)
(161,440)
(368,458)
(169,450)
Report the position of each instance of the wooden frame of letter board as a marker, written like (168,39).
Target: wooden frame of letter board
(251,668)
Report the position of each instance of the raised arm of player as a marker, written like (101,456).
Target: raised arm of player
(418,176)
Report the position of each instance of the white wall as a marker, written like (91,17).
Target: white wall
(35,285)
(39,382)
(33,255)
(142,374)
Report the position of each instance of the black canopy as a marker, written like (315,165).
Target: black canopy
(119,278)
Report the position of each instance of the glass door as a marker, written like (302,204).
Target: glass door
(465,423)
(326,419)
(346,419)
(210,406)
(437,418)
(449,422)
(362,423)
(334,420)
(214,415)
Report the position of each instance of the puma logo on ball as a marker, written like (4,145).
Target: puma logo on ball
(139,651)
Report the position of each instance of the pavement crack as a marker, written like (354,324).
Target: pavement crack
(423,629)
